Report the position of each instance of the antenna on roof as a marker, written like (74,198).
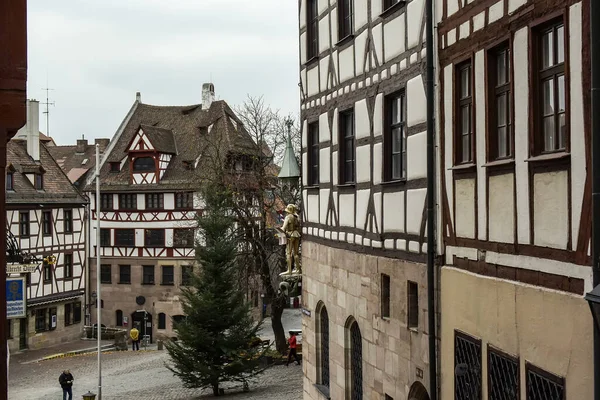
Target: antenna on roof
(47,104)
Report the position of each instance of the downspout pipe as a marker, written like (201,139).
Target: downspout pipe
(595,69)
(431,176)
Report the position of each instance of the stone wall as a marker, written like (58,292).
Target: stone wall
(61,334)
(348,284)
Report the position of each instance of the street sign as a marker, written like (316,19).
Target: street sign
(15,298)
(16,268)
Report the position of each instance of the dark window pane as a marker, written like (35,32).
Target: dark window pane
(503,150)
(47,222)
(104,237)
(162,321)
(128,201)
(119,318)
(385,296)
(465,122)
(561,93)
(68,221)
(466,148)
(144,164)
(125,237)
(154,201)
(502,68)
(465,82)
(24,223)
(413,305)
(502,112)
(154,237)
(324,327)
(356,362)
(106,202)
(124,274)
(9,181)
(560,44)
(549,134)
(184,200)
(547,49)
(183,238)
(68,266)
(548,96)
(148,274)
(106,273)
(313,137)
(167,275)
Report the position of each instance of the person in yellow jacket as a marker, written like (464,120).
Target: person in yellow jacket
(134,334)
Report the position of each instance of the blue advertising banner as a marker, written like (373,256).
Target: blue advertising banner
(15,298)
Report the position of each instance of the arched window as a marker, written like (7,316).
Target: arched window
(162,321)
(323,337)
(354,349)
(119,318)
(144,164)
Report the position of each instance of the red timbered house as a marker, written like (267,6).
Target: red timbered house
(149,178)
(46,216)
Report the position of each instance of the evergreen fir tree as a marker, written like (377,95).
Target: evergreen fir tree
(214,340)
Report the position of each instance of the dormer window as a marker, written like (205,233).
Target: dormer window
(115,166)
(39,182)
(144,164)
(10,181)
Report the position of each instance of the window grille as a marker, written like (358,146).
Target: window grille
(542,385)
(467,350)
(356,362)
(503,376)
(324,325)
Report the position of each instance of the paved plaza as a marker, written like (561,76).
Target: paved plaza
(137,375)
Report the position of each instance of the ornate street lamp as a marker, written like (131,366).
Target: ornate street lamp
(289,175)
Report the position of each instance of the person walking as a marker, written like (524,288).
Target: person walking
(66,382)
(292,342)
(134,334)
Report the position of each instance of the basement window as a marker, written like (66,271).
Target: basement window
(413,305)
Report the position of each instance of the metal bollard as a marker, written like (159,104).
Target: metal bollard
(89,396)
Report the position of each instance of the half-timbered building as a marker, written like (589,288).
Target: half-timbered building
(363,111)
(46,217)
(514,103)
(149,181)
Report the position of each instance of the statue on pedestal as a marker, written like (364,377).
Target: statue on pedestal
(291,229)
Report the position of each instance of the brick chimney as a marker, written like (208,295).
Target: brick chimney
(103,143)
(81,145)
(31,131)
(208,95)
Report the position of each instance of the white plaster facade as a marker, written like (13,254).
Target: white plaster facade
(515,228)
(370,218)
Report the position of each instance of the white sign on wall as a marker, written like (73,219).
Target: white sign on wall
(20,268)
(15,298)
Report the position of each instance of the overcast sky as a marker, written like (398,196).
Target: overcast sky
(96,54)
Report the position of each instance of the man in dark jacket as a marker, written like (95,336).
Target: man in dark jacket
(66,382)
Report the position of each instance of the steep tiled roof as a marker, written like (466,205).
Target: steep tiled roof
(76,165)
(57,187)
(161,138)
(198,136)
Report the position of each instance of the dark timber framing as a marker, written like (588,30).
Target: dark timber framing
(532,15)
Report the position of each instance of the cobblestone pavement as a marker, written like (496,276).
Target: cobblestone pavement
(291,319)
(137,375)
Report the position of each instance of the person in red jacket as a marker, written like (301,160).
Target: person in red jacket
(292,343)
